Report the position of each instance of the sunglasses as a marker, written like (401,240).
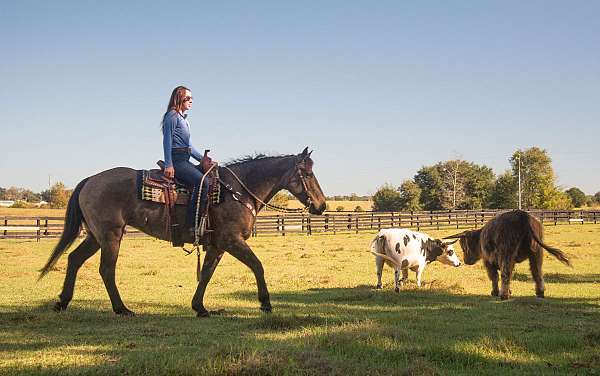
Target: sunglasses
(187,99)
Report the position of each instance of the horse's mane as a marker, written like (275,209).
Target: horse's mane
(253,158)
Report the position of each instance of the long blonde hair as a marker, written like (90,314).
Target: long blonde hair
(176,101)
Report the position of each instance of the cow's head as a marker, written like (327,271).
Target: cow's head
(469,242)
(437,250)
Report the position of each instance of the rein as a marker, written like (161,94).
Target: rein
(270,206)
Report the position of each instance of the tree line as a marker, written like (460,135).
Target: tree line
(459,184)
(56,196)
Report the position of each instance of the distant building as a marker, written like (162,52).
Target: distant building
(6,203)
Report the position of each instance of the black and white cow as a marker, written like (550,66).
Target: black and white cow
(404,249)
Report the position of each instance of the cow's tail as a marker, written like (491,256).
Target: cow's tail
(73,221)
(378,249)
(560,255)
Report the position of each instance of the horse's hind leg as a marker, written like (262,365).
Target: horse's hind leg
(211,260)
(108,262)
(84,251)
(536,257)
(241,251)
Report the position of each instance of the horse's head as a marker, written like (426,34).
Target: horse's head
(303,184)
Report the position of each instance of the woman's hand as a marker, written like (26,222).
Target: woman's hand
(169,172)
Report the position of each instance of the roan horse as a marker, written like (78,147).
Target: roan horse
(105,203)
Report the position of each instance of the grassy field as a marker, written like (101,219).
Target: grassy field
(327,317)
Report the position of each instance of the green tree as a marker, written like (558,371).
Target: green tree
(597,198)
(387,198)
(280,199)
(57,196)
(504,193)
(454,184)
(538,187)
(577,196)
(2,193)
(410,196)
(431,184)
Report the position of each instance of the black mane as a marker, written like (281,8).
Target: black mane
(253,158)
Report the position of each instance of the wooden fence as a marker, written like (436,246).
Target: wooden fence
(14,227)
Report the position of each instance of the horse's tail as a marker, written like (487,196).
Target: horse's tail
(73,221)
(560,255)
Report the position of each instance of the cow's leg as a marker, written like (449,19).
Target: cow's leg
(241,251)
(88,247)
(419,274)
(108,261)
(379,261)
(404,276)
(396,280)
(535,264)
(211,260)
(506,271)
(492,272)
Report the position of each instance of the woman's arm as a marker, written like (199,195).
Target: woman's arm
(168,124)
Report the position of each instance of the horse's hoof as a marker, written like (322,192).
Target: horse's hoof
(397,290)
(125,312)
(378,287)
(540,295)
(495,293)
(266,308)
(203,313)
(59,307)
(504,297)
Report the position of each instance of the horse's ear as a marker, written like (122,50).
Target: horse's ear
(308,155)
(304,152)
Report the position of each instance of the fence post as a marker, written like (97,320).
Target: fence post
(333,223)
(371,220)
(282,226)
(349,221)
(46,226)
(411,218)
(309,225)
(378,223)
(418,224)
(254,232)
(303,223)
(326,222)
(392,219)
(37,221)
(555,219)
(357,223)
(5,226)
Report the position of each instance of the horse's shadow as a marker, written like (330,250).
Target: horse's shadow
(560,278)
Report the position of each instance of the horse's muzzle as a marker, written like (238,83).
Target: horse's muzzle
(318,211)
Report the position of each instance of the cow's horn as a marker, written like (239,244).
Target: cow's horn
(456,236)
(450,243)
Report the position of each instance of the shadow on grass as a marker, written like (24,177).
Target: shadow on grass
(355,330)
(560,278)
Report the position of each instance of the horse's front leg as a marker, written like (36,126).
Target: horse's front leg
(211,260)
(241,251)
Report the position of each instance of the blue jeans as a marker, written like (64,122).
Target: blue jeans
(187,173)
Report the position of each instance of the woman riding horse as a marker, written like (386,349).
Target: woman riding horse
(178,148)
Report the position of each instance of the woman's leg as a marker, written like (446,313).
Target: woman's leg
(191,176)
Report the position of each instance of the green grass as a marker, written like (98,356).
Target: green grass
(327,317)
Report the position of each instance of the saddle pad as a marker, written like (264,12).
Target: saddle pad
(151,190)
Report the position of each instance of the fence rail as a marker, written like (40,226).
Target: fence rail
(14,227)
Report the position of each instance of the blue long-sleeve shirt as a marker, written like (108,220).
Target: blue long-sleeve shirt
(176,134)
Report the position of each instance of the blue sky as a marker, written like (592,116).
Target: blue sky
(377,89)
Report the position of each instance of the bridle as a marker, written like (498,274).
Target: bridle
(237,195)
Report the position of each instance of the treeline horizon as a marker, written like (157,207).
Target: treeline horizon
(453,184)
(459,184)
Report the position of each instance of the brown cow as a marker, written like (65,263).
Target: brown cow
(506,239)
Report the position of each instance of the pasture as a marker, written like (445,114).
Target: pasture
(327,319)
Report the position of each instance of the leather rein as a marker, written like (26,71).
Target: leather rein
(237,195)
